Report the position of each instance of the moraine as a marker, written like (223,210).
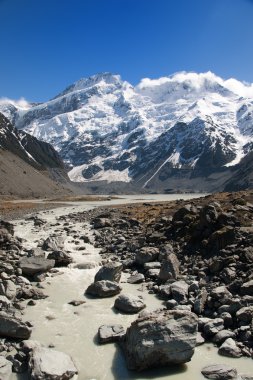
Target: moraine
(73,329)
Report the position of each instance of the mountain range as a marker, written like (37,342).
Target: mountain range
(185,132)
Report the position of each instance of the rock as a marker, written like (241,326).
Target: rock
(103,289)
(53,243)
(200,339)
(129,304)
(36,252)
(48,364)
(200,301)
(245,314)
(179,291)
(110,271)
(76,302)
(221,294)
(101,223)
(33,265)
(8,289)
(5,369)
(61,258)
(110,333)
(213,327)
(247,288)
(146,254)
(229,348)
(219,372)
(5,303)
(152,265)
(13,328)
(223,335)
(169,268)
(137,278)
(160,339)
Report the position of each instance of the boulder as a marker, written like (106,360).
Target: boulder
(103,289)
(5,369)
(101,223)
(110,271)
(219,372)
(223,335)
(129,304)
(160,339)
(229,348)
(247,288)
(53,243)
(137,278)
(32,265)
(245,314)
(169,268)
(110,333)
(12,327)
(146,254)
(179,291)
(213,327)
(61,258)
(48,364)
(5,303)
(8,289)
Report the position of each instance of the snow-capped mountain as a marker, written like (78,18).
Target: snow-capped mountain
(184,126)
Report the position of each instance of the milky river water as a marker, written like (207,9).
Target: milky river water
(73,330)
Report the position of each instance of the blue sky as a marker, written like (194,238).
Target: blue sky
(48,44)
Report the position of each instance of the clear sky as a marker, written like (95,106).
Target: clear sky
(48,44)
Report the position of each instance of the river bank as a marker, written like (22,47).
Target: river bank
(73,329)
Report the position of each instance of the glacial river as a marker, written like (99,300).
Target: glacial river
(73,329)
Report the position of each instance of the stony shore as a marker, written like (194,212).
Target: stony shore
(194,255)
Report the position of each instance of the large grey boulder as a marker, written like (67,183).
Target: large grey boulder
(219,372)
(48,364)
(32,265)
(245,314)
(129,304)
(61,258)
(13,328)
(137,278)
(110,333)
(8,289)
(5,369)
(53,243)
(103,289)
(160,339)
(110,271)
(169,268)
(146,254)
(229,348)
(213,327)
(179,291)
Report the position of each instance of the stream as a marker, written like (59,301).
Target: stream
(73,329)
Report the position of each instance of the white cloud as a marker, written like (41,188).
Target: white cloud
(20,103)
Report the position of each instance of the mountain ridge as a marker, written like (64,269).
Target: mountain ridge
(106,129)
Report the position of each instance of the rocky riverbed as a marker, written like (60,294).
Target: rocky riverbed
(188,260)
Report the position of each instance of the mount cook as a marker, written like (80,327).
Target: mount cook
(188,131)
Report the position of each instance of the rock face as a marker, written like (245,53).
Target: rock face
(48,364)
(110,333)
(110,271)
(161,339)
(103,289)
(129,304)
(13,328)
(32,265)
(219,372)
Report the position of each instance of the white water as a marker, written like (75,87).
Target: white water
(73,329)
